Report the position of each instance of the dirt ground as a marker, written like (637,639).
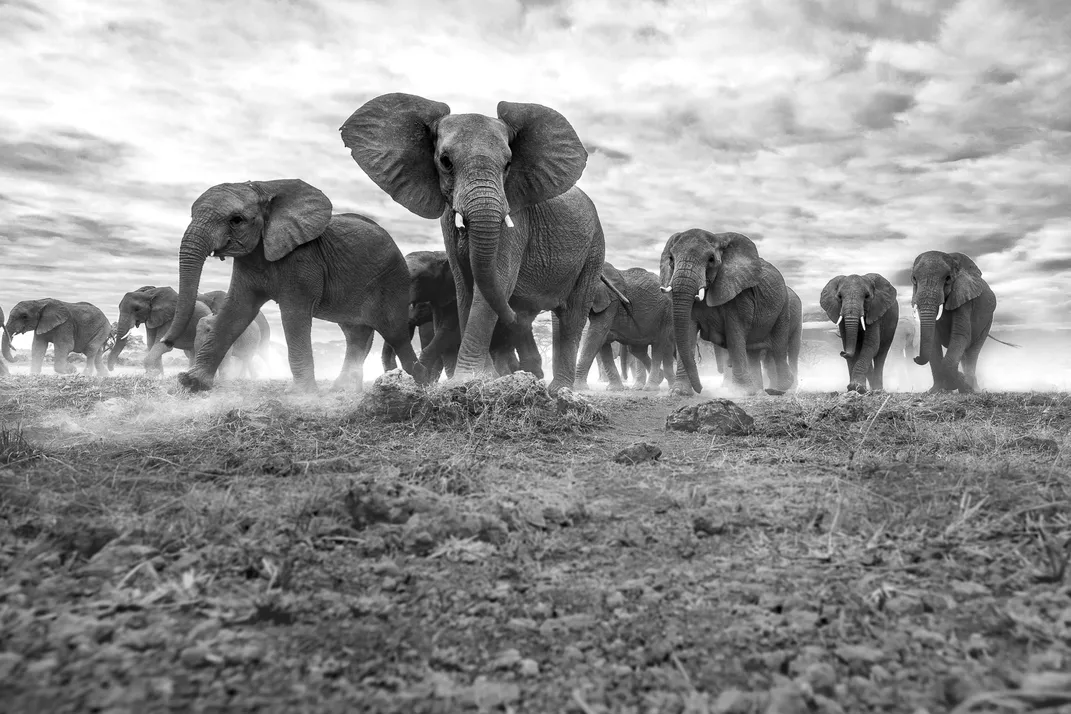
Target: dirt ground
(248,550)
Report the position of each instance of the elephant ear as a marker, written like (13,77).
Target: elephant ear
(829,300)
(53,314)
(883,299)
(967,282)
(392,139)
(161,307)
(603,298)
(296,214)
(603,295)
(665,270)
(741,268)
(548,156)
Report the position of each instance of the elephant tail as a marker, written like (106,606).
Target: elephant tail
(1009,344)
(625,302)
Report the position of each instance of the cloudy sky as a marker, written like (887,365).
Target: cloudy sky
(843,135)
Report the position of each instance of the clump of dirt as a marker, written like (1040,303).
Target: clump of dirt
(638,453)
(717,416)
(519,399)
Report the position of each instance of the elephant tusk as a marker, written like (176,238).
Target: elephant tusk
(940,310)
(664,289)
(862,322)
(509,221)
(701,294)
(840,319)
(459,222)
(122,337)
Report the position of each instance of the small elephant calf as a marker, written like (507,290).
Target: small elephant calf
(866,312)
(243,350)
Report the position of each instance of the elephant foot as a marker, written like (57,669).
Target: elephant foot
(681,391)
(556,385)
(775,392)
(420,374)
(303,388)
(856,387)
(345,384)
(615,387)
(581,387)
(195,382)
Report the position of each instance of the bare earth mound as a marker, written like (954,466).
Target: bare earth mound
(478,548)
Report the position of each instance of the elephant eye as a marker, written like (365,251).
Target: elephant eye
(446,162)
(237,219)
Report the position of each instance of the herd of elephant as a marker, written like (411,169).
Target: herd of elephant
(520,239)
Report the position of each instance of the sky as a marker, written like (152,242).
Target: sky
(844,136)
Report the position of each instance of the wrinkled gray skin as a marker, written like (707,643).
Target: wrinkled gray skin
(743,307)
(153,307)
(432,285)
(70,326)
(215,298)
(476,174)
(649,324)
(244,349)
(866,312)
(761,359)
(288,247)
(635,359)
(952,281)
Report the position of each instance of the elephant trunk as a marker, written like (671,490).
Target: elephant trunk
(122,332)
(195,247)
(685,284)
(851,335)
(485,217)
(5,345)
(927,333)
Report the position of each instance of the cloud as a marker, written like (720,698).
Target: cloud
(851,136)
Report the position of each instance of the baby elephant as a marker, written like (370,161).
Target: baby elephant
(865,310)
(243,350)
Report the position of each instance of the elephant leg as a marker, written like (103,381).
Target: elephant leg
(400,338)
(779,368)
(37,354)
(642,365)
(592,344)
(191,357)
(736,345)
(528,356)
(970,361)
(754,366)
(387,353)
(98,360)
(937,368)
(655,374)
(358,344)
(238,311)
(61,350)
(427,336)
(613,377)
(876,378)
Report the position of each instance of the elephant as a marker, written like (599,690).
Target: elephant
(520,236)
(721,288)
(866,312)
(433,298)
(646,321)
(288,247)
(6,349)
(70,326)
(242,351)
(155,308)
(214,299)
(765,362)
(955,307)
(637,357)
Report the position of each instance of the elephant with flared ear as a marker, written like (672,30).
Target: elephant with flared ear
(628,308)
(153,307)
(6,349)
(288,247)
(955,307)
(70,326)
(520,236)
(433,303)
(866,312)
(214,299)
(731,297)
(243,350)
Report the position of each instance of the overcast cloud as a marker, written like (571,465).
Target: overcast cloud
(843,135)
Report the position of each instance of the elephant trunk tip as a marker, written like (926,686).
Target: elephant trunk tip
(921,359)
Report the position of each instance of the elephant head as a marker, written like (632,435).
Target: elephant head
(267,219)
(148,305)
(41,316)
(610,288)
(941,281)
(420,313)
(857,301)
(430,277)
(481,168)
(712,268)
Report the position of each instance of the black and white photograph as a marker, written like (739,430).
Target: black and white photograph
(579,356)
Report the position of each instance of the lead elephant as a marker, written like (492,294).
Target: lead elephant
(432,284)
(6,349)
(521,238)
(288,247)
(215,298)
(70,326)
(242,351)
(647,320)
(955,307)
(866,312)
(723,290)
(153,307)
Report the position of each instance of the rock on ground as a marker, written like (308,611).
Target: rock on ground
(717,416)
(638,453)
